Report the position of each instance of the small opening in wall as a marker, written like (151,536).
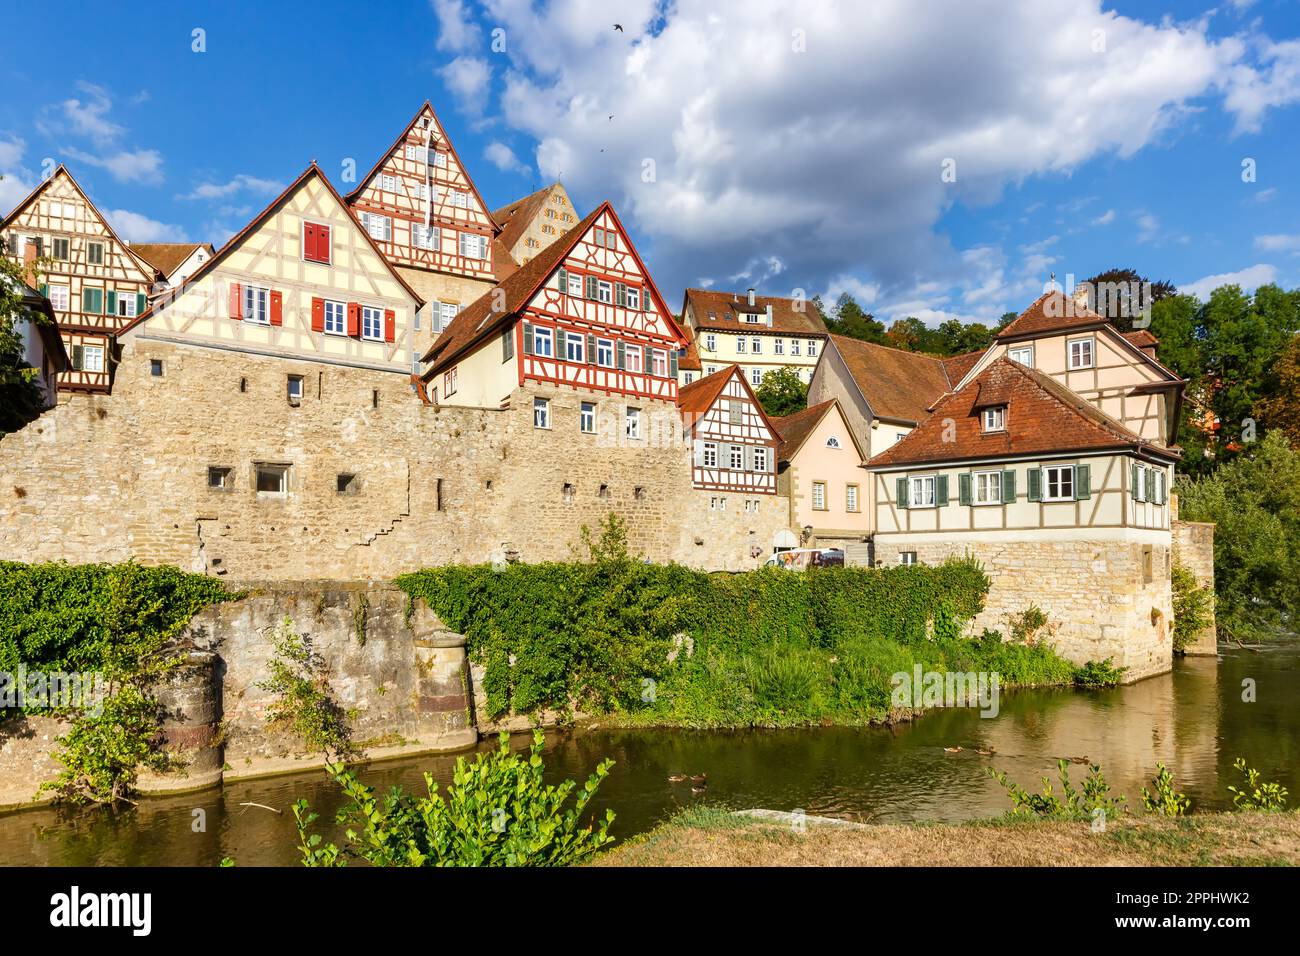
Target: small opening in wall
(604,491)
(271,479)
(295,389)
(348,484)
(437,490)
(374,398)
(568,493)
(218,477)
(638,493)
(1148,571)
(487,485)
(155,367)
(243,384)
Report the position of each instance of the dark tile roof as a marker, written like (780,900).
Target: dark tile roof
(513,218)
(167,256)
(791,316)
(898,385)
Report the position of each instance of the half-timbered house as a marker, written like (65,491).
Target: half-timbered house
(94,281)
(733,443)
(583,314)
(760,333)
(422,209)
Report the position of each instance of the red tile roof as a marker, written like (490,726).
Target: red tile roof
(899,386)
(690,362)
(1141,338)
(791,316)
(695,400)
(167,256)
(958,365)
(1051,312)
(513,218)
(1043,418)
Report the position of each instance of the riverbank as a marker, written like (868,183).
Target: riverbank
(706,836)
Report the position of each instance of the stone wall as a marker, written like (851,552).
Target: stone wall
(1194,549)
(1096,594)
(107,478)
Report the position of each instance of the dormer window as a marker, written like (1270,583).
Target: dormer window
(995,418)
(832,442)
(1081,353)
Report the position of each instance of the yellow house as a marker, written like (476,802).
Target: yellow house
(760,333)
(530,224)
(820,471)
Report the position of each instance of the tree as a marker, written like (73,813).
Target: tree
(782,392)
(850,320)
(1122,280)
(1279,407)
(20,396)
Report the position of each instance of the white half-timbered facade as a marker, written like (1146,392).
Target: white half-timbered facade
(583,314)
(421,207)
(94,282)
(733,444)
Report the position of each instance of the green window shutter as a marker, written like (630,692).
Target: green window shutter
(591,287)
(44,289)
(591,350)
(86,300)
(963,489)
(647,362)
(672,363)
(902,492)
(564,279)
(620,294)
(112,303)
(646,304)
(97,300)
(139,303)
(1082,482)
(1133,481)
(941,490)
(528,338)
(622,355)
(1008,487)
(1035,484)
(507,345)
(78,357)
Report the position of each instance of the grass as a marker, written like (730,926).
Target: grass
(708,836)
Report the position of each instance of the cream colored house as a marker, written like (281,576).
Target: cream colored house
(821,474)
(530,224)
(175,261)
(759,333)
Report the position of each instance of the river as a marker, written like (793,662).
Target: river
(1194,719)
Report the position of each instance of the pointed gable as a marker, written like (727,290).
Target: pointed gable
(420,178)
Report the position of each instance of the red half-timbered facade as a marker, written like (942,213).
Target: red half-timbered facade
(94,281)
(733,444)
(422,209)
(583,314)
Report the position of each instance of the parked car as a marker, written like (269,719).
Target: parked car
(800,559)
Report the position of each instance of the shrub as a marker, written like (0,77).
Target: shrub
(1193,607)
(1268,797)
(302,701)
(1072,804)
(497,812)
(1099,674)
(1165,800)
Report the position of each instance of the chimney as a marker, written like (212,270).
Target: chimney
(769,315)
(1082,292)
(751,296)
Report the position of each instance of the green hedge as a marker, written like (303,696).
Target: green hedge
(595,634)
(94,617)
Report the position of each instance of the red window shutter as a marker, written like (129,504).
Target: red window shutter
(354,319)
(277,308)
(323,243)
(309,240)
(236,301)
(317,314)
(390,325)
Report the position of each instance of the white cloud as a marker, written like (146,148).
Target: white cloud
(1249,279)
(1279,242)
(126,166)
(457,30)
(15,182)
(830,158)
(1252,92)
(134,227)
(503,158)
(1105,219)
(1148,227)
(240,183)
(84,117)
(468,78)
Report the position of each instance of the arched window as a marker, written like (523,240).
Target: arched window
(832,442)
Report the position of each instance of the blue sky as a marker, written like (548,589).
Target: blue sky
(791,146)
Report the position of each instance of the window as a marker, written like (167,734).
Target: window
(156,368)
(760,460)
(218,478)
(988,488)
(587,418)
(995,418)
(271,479)
(336,322)
(346,484)
(907,557)
(1059,483)
(92,358)
(710,370)
(735,412)
(756,377)
(95,253)
(1081,353)
(832,442)
(756,346)
(778,346)
(659,363)
(604,291)
(710,343)
(751,318)
(899,436)
(543,342)
(794,346)
(388,183)
(424,237)
(255,305)
(736,457)
(922,492)
(633,356)
(449,382)
(1024,354)
(812,349)
(740,344)
(1142,494)
(575,349)
(819,496)
(710,454)
(850,497)
(372,323)
(633,298)
(473,246)
(439,158)
(61,249)
(446,312)
(688,377)
(316,242)
(126,304)
(632,422)
(59,298)
(380,228)
(541,413)
(605,352)
(295,389)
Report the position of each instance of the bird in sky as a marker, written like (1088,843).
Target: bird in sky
(618,27)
